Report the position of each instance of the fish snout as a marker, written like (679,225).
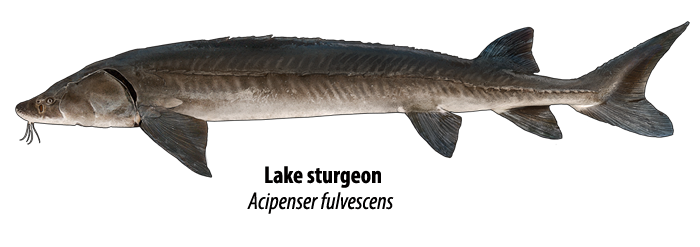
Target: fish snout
(40,110)
(22,109)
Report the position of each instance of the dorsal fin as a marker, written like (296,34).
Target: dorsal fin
(512,51)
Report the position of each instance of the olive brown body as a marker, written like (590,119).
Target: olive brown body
(170,91)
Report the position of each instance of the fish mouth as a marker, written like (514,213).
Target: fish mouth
(21,110)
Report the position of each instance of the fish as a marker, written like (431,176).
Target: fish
(171,91)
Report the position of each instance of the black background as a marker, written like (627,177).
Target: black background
(388,144)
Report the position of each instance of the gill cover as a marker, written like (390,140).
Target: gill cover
(98,99)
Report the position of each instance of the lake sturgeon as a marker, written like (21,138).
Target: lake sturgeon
(171,91)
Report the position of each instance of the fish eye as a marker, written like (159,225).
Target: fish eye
(49,101)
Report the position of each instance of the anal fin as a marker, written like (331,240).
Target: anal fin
(439,129)
(538,120)
(180,135)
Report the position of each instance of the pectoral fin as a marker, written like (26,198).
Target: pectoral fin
(439,129)
(182,136)
(538,120)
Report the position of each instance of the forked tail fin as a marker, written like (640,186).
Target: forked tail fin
(622,82)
